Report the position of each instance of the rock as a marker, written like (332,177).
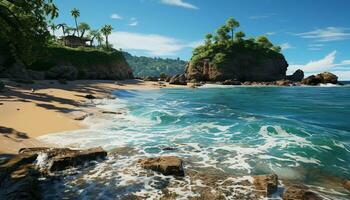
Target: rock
(167,79)
(167,165)
(324,78)
(299,192)
(62,81)
(82,116)
(346,184)
(110,112)
(36,75)
(14,163)
(311,80)
(150,78)
(284,83)
(297,76)
(67,72)
(266,183)
(328,77)
(231,82)
(90,96)
(76,158)
(2,86)
(178,80)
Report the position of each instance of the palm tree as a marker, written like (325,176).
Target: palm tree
(95,34)
(106,30)
(232,24)
(53,28)
(99,39)
(83,27)
(75,13)
(51,10)
(63,26)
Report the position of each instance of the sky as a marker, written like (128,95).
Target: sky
(314,35)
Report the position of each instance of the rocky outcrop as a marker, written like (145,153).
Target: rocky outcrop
(2,86)
(324,78)
(299,192)
(19,176)
(231,82)
(346,184)
(284,83)
(67,72)
(18,73)
(178,80)
(242,66)
(266,183)
(111,71)
(167,165)
(297,76)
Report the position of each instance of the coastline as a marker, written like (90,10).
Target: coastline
(52,108)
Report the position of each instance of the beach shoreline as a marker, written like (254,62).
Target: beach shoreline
(46,107)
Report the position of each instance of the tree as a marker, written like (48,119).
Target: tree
(222,33)
(83,27)
(53,27)
(208,38)
(94,34)
(240,35)
(278,49)
(63,26)
(24,29)
(76,13)
(99,39)
(232,24)
(264,42)
(106,31)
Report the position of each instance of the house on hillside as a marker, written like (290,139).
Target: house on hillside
(74,41)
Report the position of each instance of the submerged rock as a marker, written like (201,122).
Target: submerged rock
(299,192)
(167,165)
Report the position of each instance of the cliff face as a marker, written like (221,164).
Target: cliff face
(242,66)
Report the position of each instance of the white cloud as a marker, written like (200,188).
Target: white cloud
(327,34)
(116,16)
(151,44)
(270,33)
(327,63)
(133,22)
(179,3)
(285,46)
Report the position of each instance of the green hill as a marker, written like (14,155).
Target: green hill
(145,66)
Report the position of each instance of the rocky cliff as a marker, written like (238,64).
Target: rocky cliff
(242,66)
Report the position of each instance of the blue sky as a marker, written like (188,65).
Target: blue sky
(315,35)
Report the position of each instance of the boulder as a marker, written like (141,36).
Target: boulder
(167,165)
(18,73)
(297,76)
(299,192)
(62,72)
(267,184)
(167,79)
(36,75)
(231,82)
(150,78)
(324,78)
(178,80)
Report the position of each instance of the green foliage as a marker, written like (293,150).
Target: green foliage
(106,30)
(24,27)
(221,52)
(144,66)
(83,27)
(79,57)
(75,13)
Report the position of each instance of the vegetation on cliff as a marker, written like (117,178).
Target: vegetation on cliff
(233,55)
(145,66)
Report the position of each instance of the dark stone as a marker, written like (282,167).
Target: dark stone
(178,80)
(297,76)
(299,192)
(76,158)
(167,165)
(2,86)
(90,96)
(36,75)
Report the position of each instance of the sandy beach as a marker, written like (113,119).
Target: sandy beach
(29,111)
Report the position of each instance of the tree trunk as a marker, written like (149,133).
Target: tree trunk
(232,34)
(106,41)
(76,25)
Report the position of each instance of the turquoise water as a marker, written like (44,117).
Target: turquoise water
(300,133)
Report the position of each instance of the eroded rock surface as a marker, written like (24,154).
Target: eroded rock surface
(299,192)
(167,165)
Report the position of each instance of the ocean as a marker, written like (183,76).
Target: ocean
(300,133)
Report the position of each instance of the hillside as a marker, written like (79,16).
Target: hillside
(145,66)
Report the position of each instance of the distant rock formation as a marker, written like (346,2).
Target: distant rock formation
(324,78)
(243,66)
(297,76)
